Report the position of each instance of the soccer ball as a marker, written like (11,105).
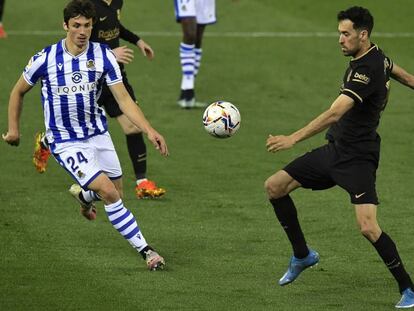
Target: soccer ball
(221,119)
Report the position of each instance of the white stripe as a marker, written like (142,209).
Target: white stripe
(264,34)
(124,221)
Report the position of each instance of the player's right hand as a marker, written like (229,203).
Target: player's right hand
(279,142)
(11,139)
(123,54)
(158,141)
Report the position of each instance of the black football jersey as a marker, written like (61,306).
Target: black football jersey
(367,82)
(108,28)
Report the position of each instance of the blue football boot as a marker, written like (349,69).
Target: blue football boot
(296,266)
(407,299)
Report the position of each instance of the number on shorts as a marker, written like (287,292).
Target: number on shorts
(72,162)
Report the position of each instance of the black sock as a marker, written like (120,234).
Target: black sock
(144,250)
(285,211)
(138,153)
(387,250)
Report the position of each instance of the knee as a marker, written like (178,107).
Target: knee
(190,34)
(109,193)
(274,189)
(371,231)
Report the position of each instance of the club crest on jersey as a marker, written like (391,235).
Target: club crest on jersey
(77,77)
(80,174)
(90,64)
(360,77)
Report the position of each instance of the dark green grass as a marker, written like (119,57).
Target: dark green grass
(223,246)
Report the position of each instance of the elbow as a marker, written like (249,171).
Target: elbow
(334,117)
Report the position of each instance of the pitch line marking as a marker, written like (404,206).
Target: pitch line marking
(258,34)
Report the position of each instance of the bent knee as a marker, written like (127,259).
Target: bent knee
(276,186)
(371,232)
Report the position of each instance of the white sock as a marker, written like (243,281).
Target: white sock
(124,221)
(90,196)
(141,180)
(187,58)
(197,64)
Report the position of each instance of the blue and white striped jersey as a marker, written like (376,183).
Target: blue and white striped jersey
(70,88)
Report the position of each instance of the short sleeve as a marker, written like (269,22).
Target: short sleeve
(112,72)
(36,67)
(359,84)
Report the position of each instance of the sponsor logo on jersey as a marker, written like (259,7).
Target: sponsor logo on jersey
(360,77)
(101,19)
(109,34)
(76,88)
(77,77)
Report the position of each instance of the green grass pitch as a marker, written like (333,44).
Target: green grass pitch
(223,246)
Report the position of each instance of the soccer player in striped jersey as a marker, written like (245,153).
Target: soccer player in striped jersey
(109,30)
(72,73)
(193,15)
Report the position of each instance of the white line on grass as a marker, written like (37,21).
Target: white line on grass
(266,34)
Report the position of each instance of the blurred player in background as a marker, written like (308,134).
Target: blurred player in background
(108,29)
(193,15)
(3,33)
(72,73)
(350,158)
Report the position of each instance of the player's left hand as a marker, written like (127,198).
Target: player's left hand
(158,141)
(123,54)
(279,142)
(11,139)
(145,49)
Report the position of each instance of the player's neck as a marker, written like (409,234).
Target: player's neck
(74,49)
(364,48)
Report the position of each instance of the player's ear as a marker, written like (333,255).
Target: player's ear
(364,34)
(65,26)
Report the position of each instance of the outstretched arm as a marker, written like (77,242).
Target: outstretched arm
(339,107)
(136,116)
(402,76)
(12,137)
(145,49)
(129,36)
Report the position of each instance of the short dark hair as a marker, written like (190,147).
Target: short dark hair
(75,8)
(360,16)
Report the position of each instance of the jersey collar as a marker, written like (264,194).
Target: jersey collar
(373,47)
(70,54)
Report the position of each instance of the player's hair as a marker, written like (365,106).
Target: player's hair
(359,16)
(76,8)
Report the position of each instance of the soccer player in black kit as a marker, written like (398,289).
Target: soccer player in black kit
(109,30)
(350,158)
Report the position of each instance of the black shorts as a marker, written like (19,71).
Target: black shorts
(325,167)
(107,100)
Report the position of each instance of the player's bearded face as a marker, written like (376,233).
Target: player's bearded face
(79,30)
(349,38)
